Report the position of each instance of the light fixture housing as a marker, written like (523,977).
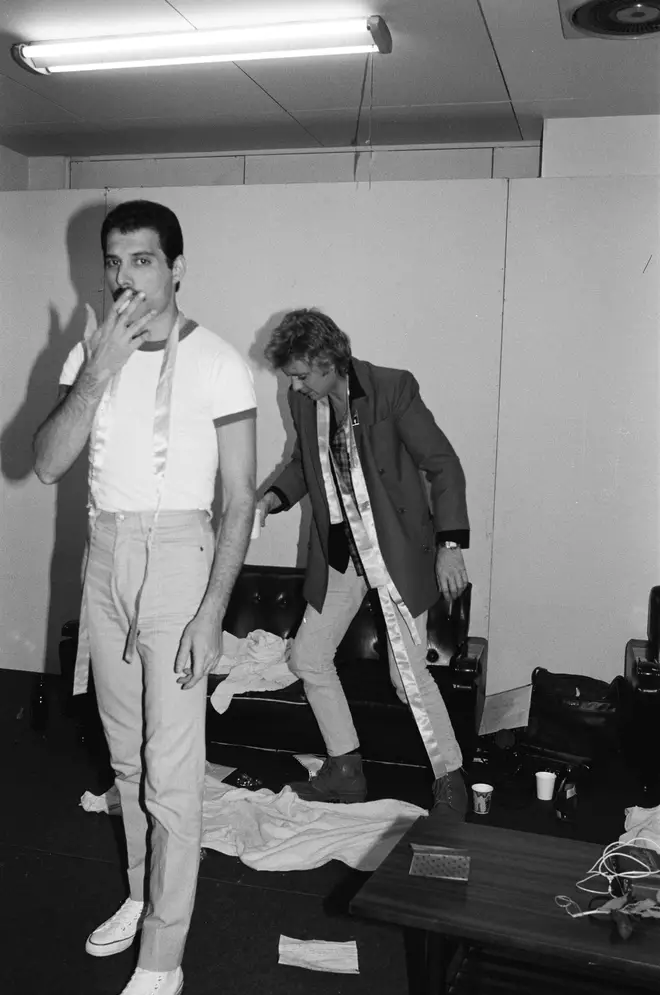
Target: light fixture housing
(350,36)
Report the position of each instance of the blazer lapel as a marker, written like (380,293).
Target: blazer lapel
(360,413)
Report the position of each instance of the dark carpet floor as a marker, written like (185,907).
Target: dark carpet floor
(61,875)
(61,871)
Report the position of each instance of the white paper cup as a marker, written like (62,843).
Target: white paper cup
(256,526)
(481,796)
(545,785)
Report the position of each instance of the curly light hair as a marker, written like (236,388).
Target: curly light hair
(311,336)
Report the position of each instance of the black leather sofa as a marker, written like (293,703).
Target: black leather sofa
(270,598)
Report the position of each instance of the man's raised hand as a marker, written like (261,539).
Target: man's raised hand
(110,345)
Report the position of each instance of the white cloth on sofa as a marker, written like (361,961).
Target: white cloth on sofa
(259,662)
(281,832)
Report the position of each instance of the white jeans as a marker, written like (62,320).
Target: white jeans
(312,659)
(155,731)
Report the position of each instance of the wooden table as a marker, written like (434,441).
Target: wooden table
(508,905)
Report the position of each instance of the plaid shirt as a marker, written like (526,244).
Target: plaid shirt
(341,455)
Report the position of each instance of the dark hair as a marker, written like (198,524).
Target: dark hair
(135,214)
(312,336)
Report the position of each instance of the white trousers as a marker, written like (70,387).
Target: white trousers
(312,659)
(155,730)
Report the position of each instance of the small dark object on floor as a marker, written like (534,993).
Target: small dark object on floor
(241,780)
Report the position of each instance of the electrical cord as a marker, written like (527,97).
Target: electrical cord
(603,869)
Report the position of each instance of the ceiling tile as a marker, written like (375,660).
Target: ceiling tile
(210,14)
(152,137)
(540,64)
(18,105)
(311,84)
(441,53)
(427,124)
(174,92)
(47,20)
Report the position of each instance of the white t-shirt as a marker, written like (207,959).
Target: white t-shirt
(211,381)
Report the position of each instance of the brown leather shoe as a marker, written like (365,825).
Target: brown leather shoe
(450,791)
(340,779)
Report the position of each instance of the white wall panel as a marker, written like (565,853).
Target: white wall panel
(413,272)
(577,492)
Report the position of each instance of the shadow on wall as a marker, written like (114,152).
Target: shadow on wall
(86,273)
(257,357)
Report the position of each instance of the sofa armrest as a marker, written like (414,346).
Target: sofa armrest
(470,672)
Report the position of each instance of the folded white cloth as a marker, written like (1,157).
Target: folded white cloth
(319,955)
(256,663)
(645,823)
(281,832)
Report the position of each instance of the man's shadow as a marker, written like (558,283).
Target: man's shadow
(258,359)
(86,273)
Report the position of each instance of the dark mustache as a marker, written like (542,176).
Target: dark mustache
(116,294)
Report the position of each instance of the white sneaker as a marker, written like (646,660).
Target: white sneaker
(155,982)
(118,932)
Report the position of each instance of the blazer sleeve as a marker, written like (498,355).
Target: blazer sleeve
(435,456)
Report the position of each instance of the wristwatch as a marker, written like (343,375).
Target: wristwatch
(451,545)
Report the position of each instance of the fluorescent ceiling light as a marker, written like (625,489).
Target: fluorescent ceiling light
(273,41)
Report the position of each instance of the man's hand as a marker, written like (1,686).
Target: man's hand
(450,572)
(109,346)
(268,503)
(200,648)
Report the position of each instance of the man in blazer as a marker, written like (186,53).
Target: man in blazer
(363,438)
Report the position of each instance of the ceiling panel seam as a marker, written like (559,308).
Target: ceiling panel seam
(499,66)
(177,11)
(281,106)
(36,93)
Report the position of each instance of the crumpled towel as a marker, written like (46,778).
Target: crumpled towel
(256,663)
(319,955)
(644,822)
(109,802)
(281,832)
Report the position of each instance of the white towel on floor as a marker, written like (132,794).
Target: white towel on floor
(281,832)
(319,955)
(256,663)
(109,803)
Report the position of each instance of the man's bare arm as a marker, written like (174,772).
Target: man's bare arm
(60,440)
(237,451)
(201,643)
